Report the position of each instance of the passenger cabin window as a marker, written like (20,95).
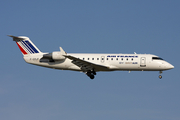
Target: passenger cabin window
(92,58)
(97,58)
(107,58)
(156,58)
(88,58)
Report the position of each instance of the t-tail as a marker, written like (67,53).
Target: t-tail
(25,45)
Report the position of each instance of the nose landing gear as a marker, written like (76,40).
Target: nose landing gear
(160,76)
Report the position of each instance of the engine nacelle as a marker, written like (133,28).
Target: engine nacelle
(54,56)
(57,56)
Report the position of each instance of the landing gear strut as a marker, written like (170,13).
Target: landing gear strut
(160,76)
(91,74)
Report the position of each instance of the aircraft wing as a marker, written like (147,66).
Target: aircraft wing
(85,65)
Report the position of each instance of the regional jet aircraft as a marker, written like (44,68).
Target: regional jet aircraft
(90,63)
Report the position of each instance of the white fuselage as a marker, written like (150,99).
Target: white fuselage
(89,63)
(124,62)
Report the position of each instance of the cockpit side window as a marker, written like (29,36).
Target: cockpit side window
(156,58)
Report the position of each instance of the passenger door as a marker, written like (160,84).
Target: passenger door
(143,62)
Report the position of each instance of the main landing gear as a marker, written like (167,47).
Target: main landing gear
(91,74)
(160,76)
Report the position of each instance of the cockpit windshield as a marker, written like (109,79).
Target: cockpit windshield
(156,58)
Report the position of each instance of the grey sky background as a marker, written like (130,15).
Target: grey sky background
(30,92)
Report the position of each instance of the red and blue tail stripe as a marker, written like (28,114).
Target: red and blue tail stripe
(26,47)
(22,50)
(30,46)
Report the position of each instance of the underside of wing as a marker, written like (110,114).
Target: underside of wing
(85,65)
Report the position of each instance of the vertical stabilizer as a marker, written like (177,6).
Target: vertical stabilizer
(25,45)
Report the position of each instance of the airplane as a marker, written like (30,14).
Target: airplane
(89,63)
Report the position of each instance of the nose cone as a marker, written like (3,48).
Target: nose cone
(170,66)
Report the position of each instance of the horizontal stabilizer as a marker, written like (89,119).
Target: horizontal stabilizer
(17,39)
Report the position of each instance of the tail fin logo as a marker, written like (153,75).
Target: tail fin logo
(26,47)
(22,50)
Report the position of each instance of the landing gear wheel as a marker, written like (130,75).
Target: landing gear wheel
(92,76)
(93,72)
(160,76)
(88,74)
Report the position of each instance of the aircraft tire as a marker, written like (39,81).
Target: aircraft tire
(91,76)
(93,72)
(160,76)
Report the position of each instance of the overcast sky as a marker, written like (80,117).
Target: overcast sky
(29,92)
